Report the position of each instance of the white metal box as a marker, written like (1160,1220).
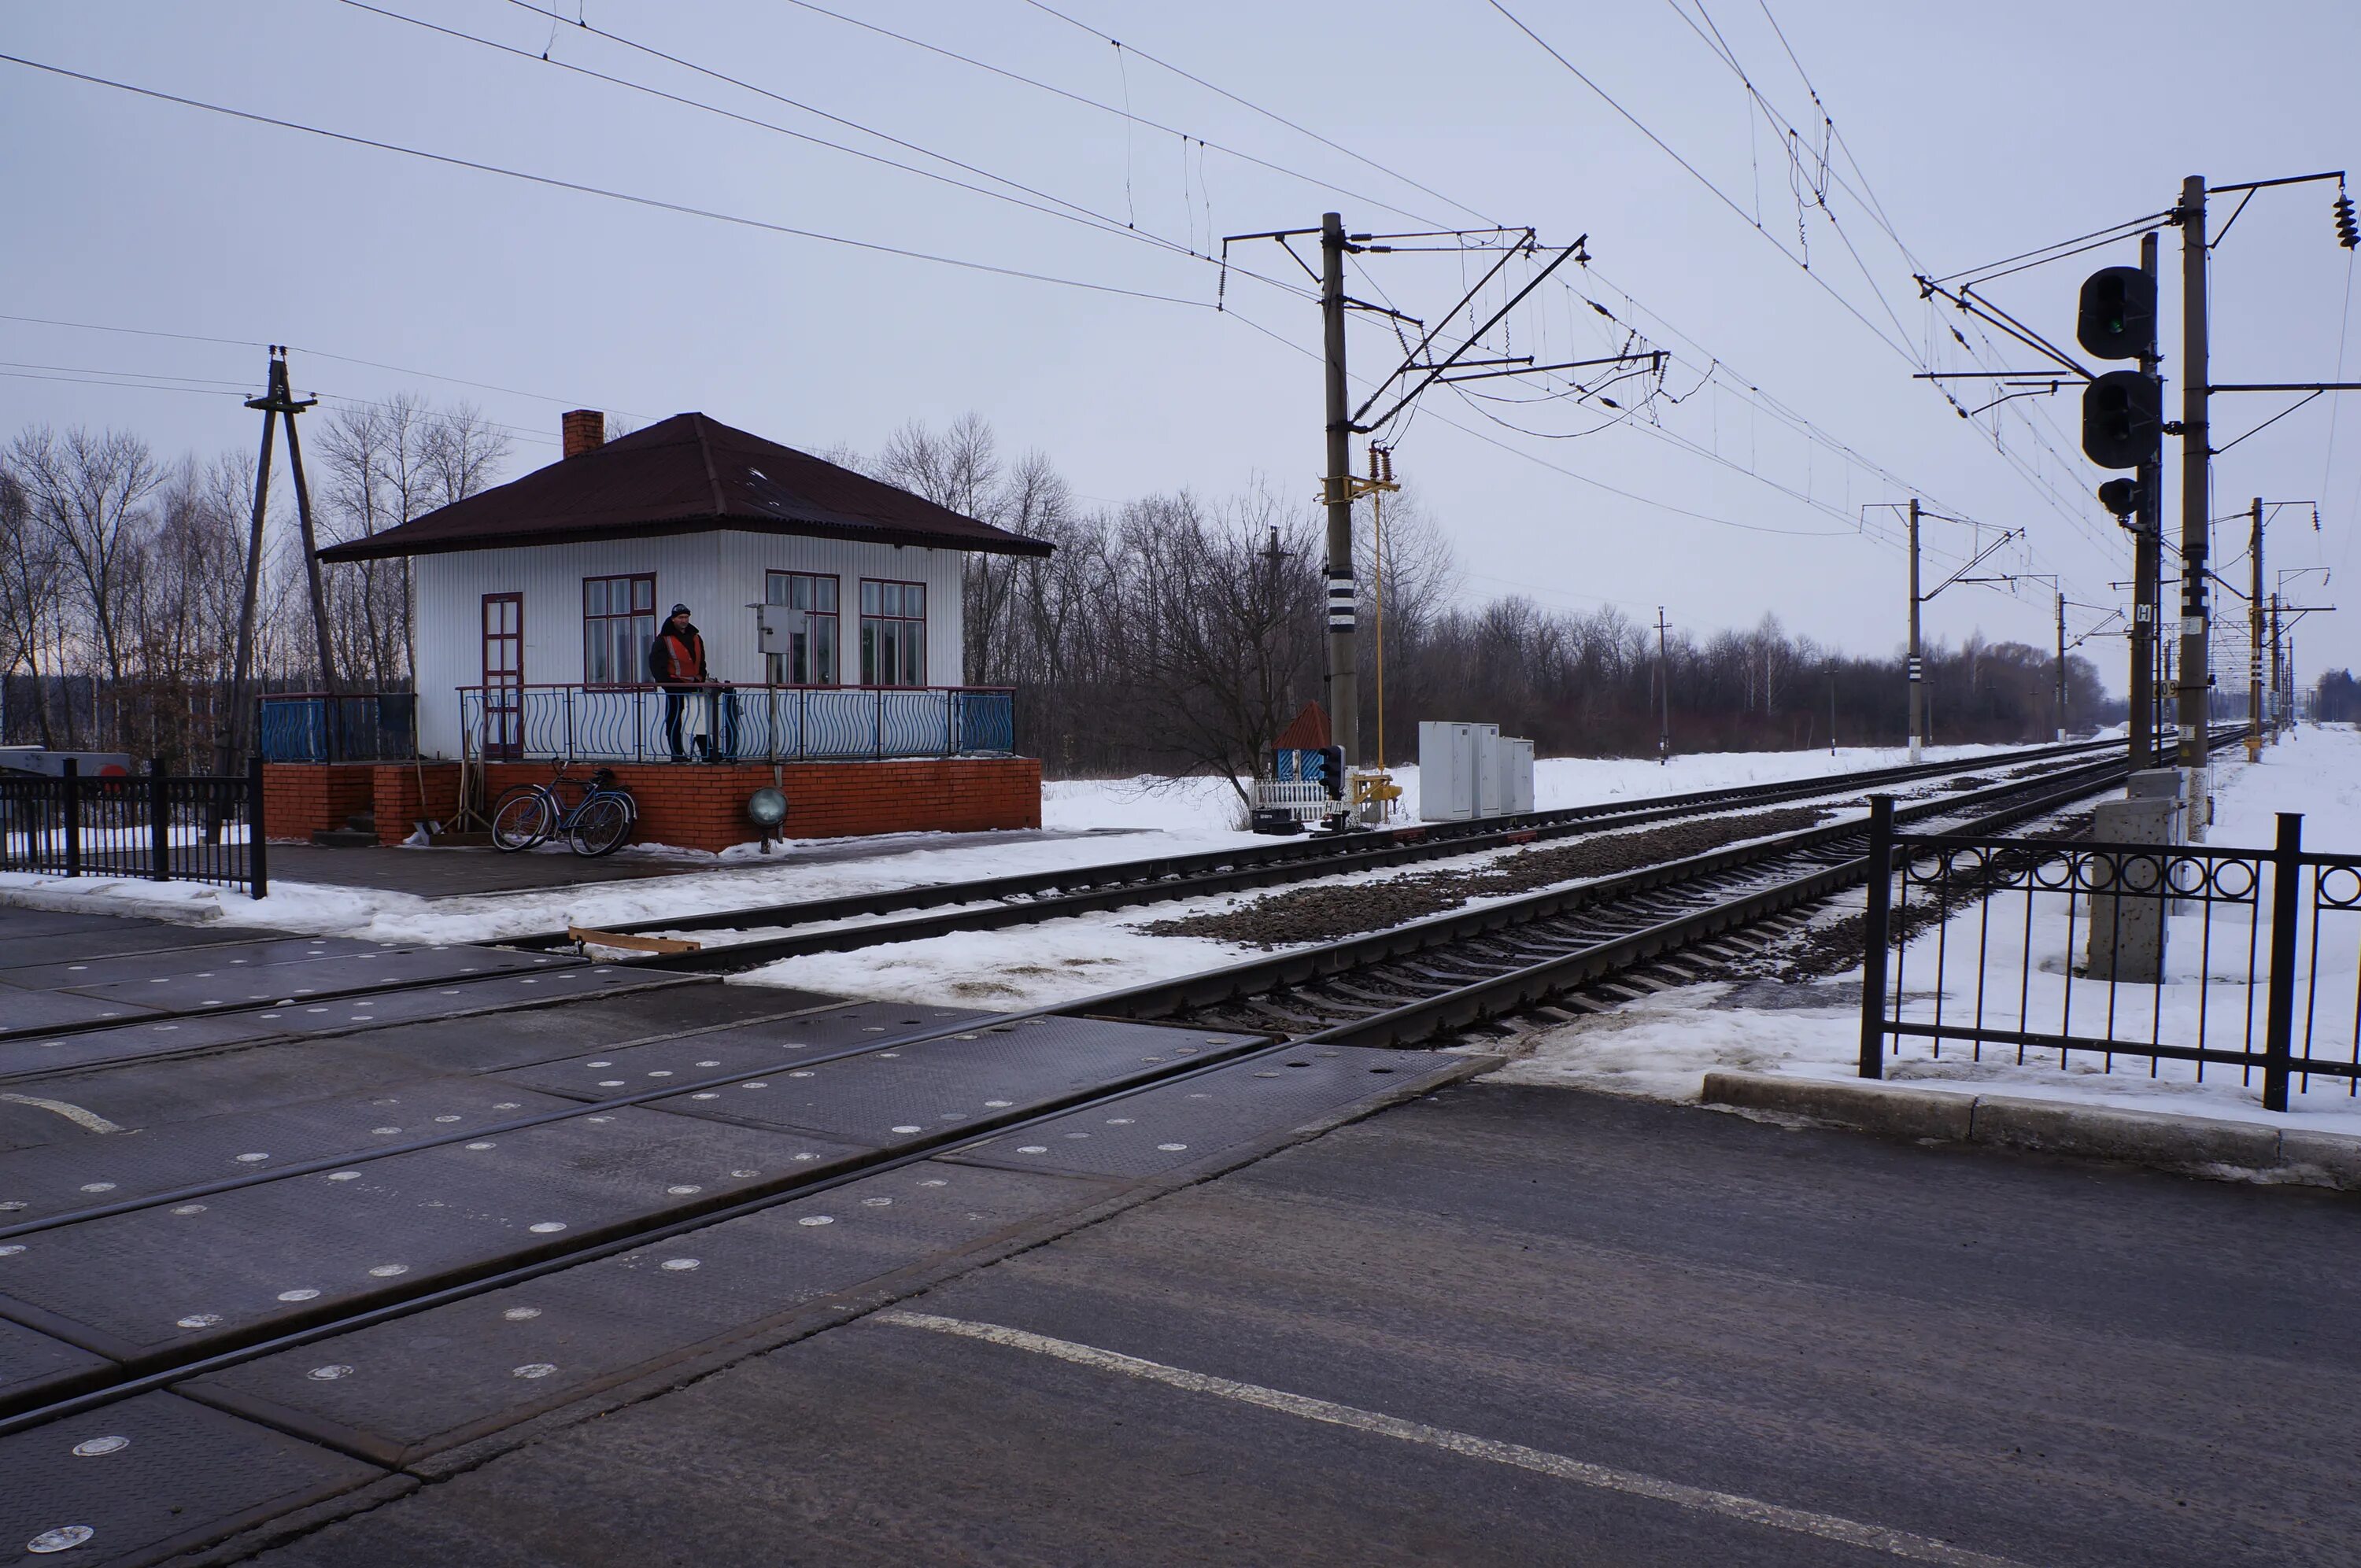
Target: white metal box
(1450,758)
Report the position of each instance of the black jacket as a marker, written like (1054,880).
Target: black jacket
(677,658)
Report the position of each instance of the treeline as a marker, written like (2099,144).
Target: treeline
(1167,634)
(2340,698)
(123,574)
(1171,634)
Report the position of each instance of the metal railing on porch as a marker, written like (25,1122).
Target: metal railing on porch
(2071,955)
(155,828)
(734,723)
(325,727)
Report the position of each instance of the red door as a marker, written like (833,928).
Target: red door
(503,675)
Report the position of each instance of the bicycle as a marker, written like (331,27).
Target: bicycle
(597,824)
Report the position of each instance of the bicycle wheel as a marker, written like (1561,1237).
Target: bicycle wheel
(600,826)
(524,820)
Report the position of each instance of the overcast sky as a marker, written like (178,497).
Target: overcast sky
(1970,133)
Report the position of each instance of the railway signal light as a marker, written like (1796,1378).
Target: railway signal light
(2123,419)
(2121,496)
(2348,235)
(2117,318)
(1332,770)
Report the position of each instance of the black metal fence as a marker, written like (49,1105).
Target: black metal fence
(154,827)
(2073,954)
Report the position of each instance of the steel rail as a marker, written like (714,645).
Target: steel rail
(1450,1006)
(465,1281)
(1027,899)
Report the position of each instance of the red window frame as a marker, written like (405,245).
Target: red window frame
(823,641)
(893,639)
(503,670)
(601,632)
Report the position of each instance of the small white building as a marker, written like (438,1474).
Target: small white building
(813,584)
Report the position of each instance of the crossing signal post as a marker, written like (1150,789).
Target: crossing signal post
(2123,427)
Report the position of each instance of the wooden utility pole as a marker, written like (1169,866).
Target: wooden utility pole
(1917,670)
(232,729)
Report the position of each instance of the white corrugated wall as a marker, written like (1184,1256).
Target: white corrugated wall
(717,575)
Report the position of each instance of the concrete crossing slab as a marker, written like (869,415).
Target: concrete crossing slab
(1173,1125)
(975,1074)
(426,1383)
(153,1476)
(173,1281)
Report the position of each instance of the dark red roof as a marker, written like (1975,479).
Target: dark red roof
(687,474)
(1307,731)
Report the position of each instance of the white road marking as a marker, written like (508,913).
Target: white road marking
(74,1113)
(1827,1527)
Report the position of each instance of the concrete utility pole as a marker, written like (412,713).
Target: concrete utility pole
(2061,664)
(2280,712)
(2254,726)
(1336,489)
(2196,502)
(1917,679)
(2147,540)
(1665,693)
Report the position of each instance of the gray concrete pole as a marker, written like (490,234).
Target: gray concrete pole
(1917,679)
(2196,498)
(1336,490)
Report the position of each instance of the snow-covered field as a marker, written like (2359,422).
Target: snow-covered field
(1663,1047)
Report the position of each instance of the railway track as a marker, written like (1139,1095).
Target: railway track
(1297,1022)
(846,924)
(1434,980)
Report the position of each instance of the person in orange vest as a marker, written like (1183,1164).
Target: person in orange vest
(676,663)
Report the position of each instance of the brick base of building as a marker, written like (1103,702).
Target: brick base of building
(688,805)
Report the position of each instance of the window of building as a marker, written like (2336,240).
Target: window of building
(619,621)
(893,633)
(802,618)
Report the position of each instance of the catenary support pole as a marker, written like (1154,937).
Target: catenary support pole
(2283,711)
(1336,490)
(2061,664)
(2147,538)
(2255,726)
(1663,693)
(1915,670)
(2196,502)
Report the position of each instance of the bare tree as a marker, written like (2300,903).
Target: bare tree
(85,491)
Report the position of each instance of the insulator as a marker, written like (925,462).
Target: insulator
(2349,234)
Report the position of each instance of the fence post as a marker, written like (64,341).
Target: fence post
(70,796)
(160,823)
(257,870)
(878,746)
(1873,936)
(2279,1019)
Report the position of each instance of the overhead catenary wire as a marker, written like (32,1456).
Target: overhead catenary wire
(583,188)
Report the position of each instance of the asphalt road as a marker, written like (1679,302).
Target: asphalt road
(1541,1327)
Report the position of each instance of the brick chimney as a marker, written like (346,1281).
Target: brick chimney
(585,430)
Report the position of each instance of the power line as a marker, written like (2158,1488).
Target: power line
(580,188)
(1266,113)
(1119,112)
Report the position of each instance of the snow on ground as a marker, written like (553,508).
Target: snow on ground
(1123,819)
(1661,1047)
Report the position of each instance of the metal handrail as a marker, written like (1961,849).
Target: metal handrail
(731,721)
